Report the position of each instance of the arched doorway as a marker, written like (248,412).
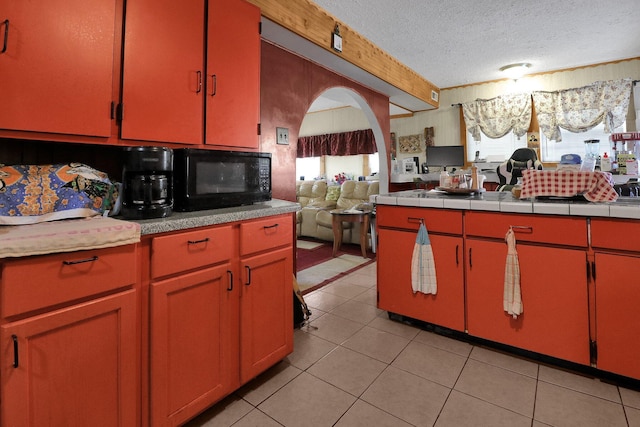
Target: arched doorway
(342,96)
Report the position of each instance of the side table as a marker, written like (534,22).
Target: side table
(340,215)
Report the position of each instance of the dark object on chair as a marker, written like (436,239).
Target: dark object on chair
(628,189)
(509,171)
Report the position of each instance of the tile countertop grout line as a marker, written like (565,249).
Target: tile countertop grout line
(624,207)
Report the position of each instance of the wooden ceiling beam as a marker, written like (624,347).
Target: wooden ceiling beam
(309,21)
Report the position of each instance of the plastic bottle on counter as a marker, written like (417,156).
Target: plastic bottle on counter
(443,179)
(605,163)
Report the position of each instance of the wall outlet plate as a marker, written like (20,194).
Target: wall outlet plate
(282,137)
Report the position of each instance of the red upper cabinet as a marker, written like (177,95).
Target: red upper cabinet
(56,74)
(163,69)
(171,76)
(233,74)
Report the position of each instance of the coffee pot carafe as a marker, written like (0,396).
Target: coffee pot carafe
(147,179)
(592,152)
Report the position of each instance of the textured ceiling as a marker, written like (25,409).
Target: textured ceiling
(452,43)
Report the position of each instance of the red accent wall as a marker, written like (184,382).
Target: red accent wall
(289,85)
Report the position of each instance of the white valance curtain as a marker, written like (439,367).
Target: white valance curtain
(498,116)
(581,109)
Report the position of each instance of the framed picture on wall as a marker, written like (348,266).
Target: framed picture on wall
(410,144)
(393,150)
(429,135)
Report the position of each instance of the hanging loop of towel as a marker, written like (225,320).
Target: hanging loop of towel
(521,228)
(414,219)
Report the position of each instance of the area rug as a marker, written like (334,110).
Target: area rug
(317,267)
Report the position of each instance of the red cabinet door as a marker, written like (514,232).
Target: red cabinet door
(555,318)
(75,366)
(193,361)
(163,71)
(446,308)
(56,74)
(266,311)
(617,324)
(233,74)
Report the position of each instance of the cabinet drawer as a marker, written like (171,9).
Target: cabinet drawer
(569,231)
(615,234)
(189,250)
(38,282)
(436,220)
(256,236)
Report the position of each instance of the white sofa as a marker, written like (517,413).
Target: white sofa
(317,200)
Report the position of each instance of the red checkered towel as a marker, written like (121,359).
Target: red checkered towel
(594,186)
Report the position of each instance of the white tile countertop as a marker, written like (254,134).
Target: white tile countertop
(624,207)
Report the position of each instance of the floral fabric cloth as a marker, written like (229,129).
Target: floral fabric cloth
(580,109)
(36,193)
(498,116)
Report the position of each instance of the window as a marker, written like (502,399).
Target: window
(573,143)
(550,151)
(494,150)
(308,167)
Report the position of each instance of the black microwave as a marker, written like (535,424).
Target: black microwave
(211,179)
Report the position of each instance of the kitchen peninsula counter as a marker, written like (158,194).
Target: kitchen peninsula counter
(578,304)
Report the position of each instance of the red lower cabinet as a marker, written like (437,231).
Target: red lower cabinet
(191,352)
(397,230)
(266,312)
(70,354)
(220,312)
(77,366)
(555,318)
(618,324)
(395,293)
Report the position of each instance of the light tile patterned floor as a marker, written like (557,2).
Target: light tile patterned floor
(361,369)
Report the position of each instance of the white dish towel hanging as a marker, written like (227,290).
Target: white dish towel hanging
(512,294)
(423,267)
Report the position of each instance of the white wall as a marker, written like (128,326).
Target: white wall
(334,121)
(446,119)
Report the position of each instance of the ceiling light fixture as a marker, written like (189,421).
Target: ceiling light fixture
(515,71)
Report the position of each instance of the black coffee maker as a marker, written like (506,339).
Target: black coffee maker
(147,181)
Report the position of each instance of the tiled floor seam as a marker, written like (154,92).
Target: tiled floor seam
(535,399)
(583,392)
(451,389)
